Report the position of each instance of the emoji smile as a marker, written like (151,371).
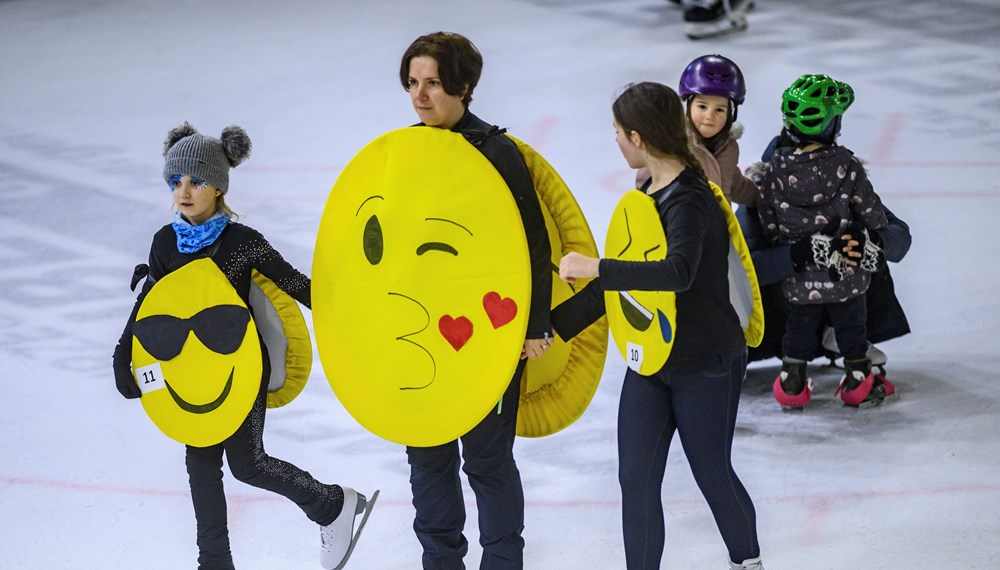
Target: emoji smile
(202,408)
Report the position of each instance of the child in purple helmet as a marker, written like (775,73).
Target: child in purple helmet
(713,87)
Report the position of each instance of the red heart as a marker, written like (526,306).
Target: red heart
(500,310)
(456,331)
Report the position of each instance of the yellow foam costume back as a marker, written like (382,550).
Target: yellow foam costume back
(286,336)
(558,386)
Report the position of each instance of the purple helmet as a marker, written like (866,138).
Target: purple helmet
(713,75)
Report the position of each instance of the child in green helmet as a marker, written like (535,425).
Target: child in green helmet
(812,193)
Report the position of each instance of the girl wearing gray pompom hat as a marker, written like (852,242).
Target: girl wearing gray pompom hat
(202,162)
(196,169)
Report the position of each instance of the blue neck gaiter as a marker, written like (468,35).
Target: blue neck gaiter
(191,239)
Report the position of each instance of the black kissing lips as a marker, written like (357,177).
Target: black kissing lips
(404,338)
(202,408)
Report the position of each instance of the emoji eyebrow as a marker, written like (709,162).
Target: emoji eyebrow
(438,246)
(365,202)
(448,221)
(629,231)
(646,253)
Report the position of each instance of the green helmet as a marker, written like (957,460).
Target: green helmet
(813,101)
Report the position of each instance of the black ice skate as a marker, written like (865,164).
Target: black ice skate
(879,359)
(874,354)
(793,388)
(859,387)
(712,18)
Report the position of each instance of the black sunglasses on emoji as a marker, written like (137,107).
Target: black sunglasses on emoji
(220,328)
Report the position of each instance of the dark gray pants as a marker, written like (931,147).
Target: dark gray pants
(489,464)
(847,318)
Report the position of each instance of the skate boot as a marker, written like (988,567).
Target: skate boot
(711,18)
(879,359)
(338,538)
(874,354)
(859,387)
(748,564)
(792,388)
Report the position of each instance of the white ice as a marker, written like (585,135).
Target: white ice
(89,88)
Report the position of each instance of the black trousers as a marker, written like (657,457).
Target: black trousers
(886,319)
(488,451)
(248,463)
(847,318)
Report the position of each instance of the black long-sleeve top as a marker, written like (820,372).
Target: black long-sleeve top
(506,158)
(696,268)
(240,250)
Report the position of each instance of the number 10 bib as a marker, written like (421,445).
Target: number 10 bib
(643,323)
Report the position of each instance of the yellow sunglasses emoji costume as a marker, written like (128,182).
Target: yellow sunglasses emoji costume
(196,355)
(421,285)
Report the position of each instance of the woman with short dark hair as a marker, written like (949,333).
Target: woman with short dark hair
(440,71)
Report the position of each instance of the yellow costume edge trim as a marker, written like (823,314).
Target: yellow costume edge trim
(298,358)
(754,333)
(556,405)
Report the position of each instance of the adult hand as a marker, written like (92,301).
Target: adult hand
(829,249)
(575,266)
(867,252)
(535,347)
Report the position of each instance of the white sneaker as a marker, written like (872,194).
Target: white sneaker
(748,564)
(337,536)
(877,357)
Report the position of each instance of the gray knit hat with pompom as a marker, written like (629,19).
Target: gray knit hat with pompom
(188,152)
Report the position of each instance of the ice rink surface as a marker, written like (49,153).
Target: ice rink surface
(89,89)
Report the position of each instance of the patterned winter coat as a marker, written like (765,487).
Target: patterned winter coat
(800,195)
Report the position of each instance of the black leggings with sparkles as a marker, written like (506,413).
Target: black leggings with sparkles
(249,463)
